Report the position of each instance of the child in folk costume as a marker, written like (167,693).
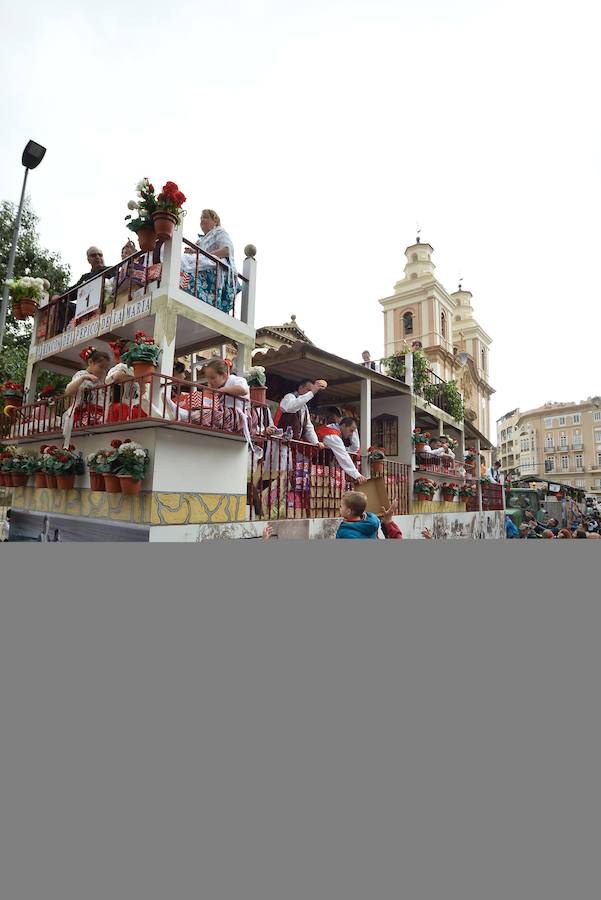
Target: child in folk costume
(125,398)
(215,410)
(87,409)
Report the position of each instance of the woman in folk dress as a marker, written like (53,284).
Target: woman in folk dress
(210,282)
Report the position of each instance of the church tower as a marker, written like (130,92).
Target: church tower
(421,309)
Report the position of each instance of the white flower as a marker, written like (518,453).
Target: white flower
(139,453)
(132,205)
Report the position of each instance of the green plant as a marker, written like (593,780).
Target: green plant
(11,389)
(420,372)
(424,486)
(26,464)
(65,462)
(27,288)
(131,459)
(141,349)
(420,437)
(98,461)
(146,205)
(395,366)
(170,200)
(256,377)
(375,454)
(449,488)
(467,490)
(453,400)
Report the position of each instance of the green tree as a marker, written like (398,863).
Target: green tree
(31,259)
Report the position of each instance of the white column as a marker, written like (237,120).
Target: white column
(365,415)
(409,370)
(249,270)
(31,380)
(478,482)
(172,263)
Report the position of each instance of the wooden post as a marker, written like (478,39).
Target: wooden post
(365,416)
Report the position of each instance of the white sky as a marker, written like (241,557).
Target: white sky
(322,132)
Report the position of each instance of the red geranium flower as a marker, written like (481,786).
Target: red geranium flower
(116,443)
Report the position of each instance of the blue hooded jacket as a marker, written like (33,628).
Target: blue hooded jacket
(366,528)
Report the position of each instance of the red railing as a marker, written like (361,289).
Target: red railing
(135,273)
(396,479)
(217,294)
(492,497)
(438,465)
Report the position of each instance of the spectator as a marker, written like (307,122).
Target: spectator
(548,534)
(494,473)
(564,534)
(334,437)
(511,530)
(444,443)
(357,523)
(367,360)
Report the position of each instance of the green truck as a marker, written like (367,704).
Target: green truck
(518,500)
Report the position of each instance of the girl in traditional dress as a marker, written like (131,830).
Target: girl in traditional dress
(210,281)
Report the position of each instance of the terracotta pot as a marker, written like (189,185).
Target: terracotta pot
(377,466)
(129,486)
(164,224)
(29,307)
(40,479)
(65,482)
(423,496)
(50,481)
(143,370)
(112,485)
(17,310)
(96,481)
(419,446)
(258,394)
(448,498)
(19,479)
(147,239)
(3,482)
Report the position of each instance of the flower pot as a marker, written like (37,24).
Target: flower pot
(143,370)
(40,479)
(50,481)
(96,481)
(419,446)
(112,485)
(258,394)
(164,224)
(17,310)
(29,307)
(65,482)
(377,466)
(421,496)
(448,498)
(129,487)
(3,481)
(147,239)
(19,479)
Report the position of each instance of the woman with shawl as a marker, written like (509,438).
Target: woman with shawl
(209,281)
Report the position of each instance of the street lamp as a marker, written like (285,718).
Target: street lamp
(33,154)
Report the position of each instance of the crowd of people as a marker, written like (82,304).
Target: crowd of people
(583,525)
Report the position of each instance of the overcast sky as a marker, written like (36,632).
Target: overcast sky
(323,132)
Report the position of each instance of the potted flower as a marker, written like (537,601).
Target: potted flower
(467,490)
(376,457)
(97,464)
(38,472)
(423,488)
(168,212)
(130,466)
(66,464)
(47,452)
(471,458)
(142,354)
(420,439)
(142,224)
(26,293)
(22,467)
(12,393)
(6,459)
(449,491)
(257,382)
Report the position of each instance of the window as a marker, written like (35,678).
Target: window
(483,358)
(597,416)
(562,420)
(576,419)
(563,442)
(598,483)
(598,458)
(532,443)
(597,436)
(549,464)
(408,323)
(580,484)
(414,257)
(548,442)
(577,440)
(578,459)
(385,433)
(509,432)
(524,444)
(503,435)
(564,462)
(443,324)
(549,423)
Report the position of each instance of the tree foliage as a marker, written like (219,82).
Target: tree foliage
(31,259)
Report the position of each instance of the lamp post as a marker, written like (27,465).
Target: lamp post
(32,157)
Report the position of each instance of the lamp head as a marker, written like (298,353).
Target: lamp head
(33,155)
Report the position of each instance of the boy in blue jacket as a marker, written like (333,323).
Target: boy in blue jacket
(356,522)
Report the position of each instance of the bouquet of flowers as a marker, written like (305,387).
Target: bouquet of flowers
(130,459)
(425,487)
(27,288)
(145,206)
(170,201)
(256,377)
(141,349)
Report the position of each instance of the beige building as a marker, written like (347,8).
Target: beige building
(421,309)
(560,442)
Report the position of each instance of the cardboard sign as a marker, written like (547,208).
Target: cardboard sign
(89,297)
(377,495)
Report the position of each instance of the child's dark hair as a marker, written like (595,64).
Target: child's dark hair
(348,420)
(218,366)
(92,355)
(356,502)
(332,412)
